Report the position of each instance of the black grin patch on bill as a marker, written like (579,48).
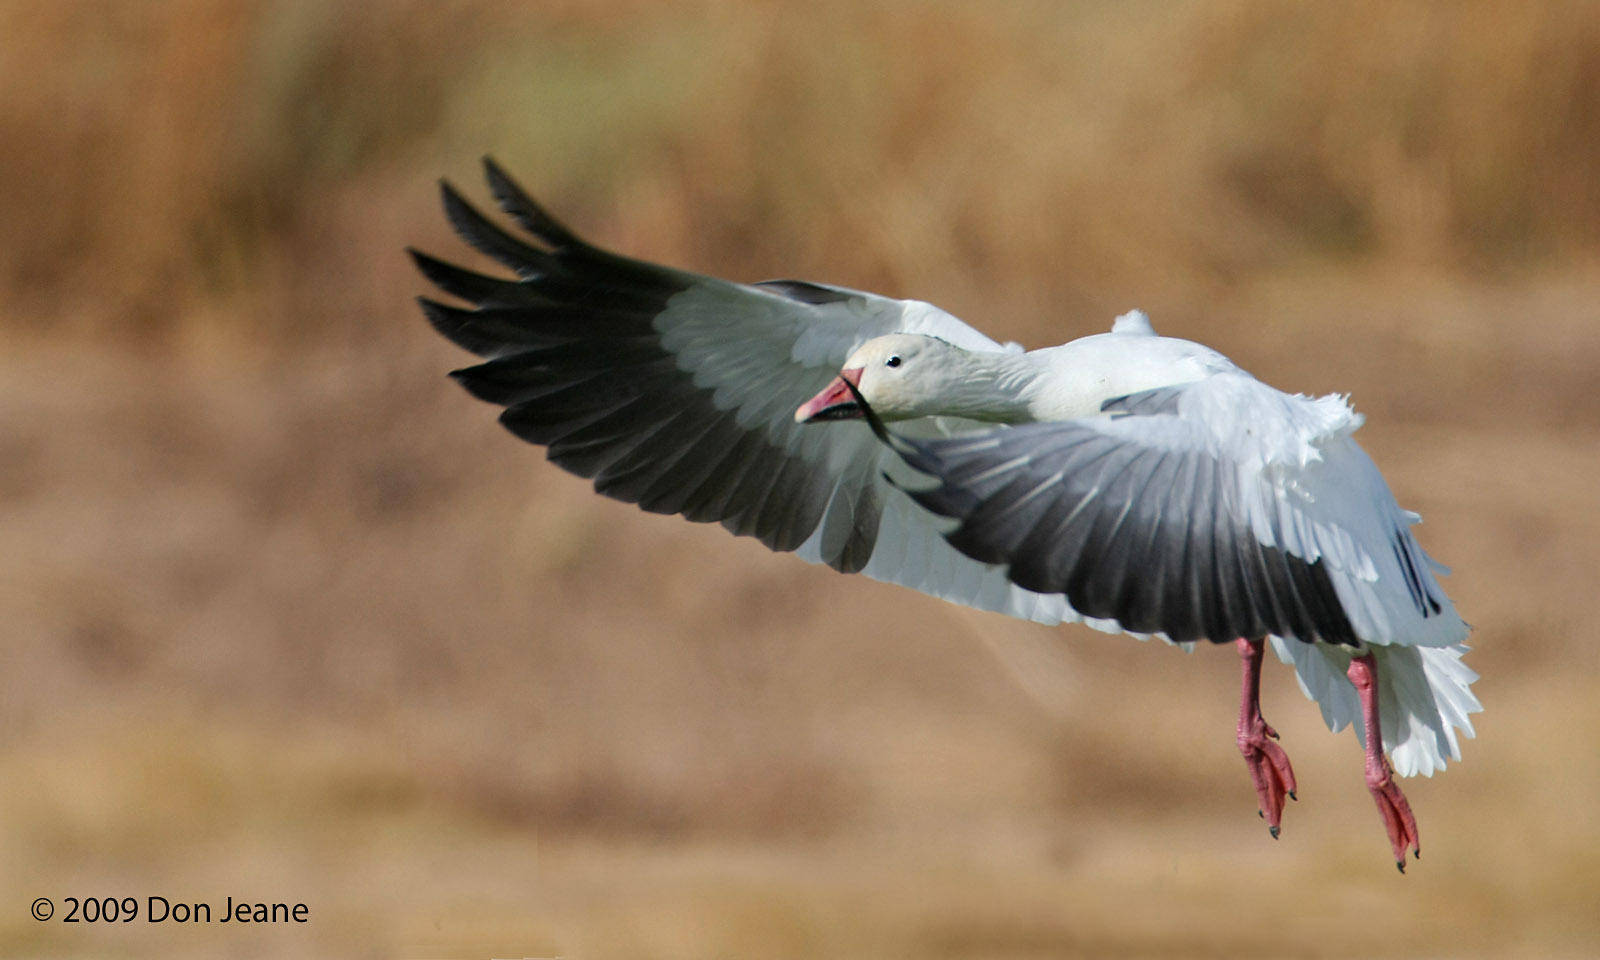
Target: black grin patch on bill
(849,410)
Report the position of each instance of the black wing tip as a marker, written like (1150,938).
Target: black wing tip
(467,219)
(429,265)
(492,168)
(424,263)
(504,188)
(483,385)
(467,377)
(506,191)
(463,216)
(445,320)
(517,204)
(451,197)
(460,328)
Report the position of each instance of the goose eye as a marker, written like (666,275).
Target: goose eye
(893,361)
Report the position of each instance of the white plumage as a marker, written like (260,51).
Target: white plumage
(1300,484)
(1126,480)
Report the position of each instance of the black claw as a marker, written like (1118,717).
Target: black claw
(1274,831)
(1416,852)
(1400,865)
(1261,815)
(1292,796)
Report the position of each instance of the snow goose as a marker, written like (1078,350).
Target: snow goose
(1129,481)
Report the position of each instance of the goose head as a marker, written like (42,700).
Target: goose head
(901,376)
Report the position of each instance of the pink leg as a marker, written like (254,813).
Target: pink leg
(1392,805)
(1269,765)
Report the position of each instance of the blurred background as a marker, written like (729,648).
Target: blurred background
(288,617)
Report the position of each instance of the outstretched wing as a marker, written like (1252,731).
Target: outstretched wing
(676,392)
(1220,509)
(1209,510)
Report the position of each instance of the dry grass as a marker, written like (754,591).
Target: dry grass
(288,618)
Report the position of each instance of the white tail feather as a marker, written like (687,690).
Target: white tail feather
(1424,698)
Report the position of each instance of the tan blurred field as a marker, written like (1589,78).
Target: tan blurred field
(288,617)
